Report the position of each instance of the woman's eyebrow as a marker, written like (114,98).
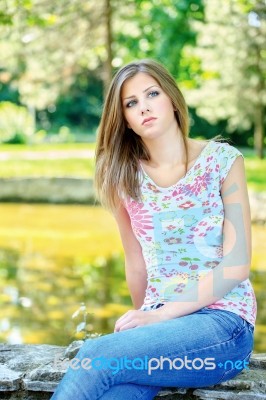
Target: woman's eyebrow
(149,88)
(144,91)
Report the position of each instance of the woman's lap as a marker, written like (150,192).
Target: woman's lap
(182,352)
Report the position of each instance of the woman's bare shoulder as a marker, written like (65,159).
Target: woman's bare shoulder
(195,147)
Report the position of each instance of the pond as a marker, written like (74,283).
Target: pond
(62,274)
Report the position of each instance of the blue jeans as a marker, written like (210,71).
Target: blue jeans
(197,350)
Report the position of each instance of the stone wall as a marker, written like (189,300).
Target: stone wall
(80,190)
(51,190)
(32,372)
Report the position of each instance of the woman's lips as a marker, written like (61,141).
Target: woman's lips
(146,121)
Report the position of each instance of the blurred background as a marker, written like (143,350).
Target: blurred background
(61,261)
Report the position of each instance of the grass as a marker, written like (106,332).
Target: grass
(255,170)
(18,166)
(48,168)
(12,148)
(255,173)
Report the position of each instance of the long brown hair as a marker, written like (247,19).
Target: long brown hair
(118,149)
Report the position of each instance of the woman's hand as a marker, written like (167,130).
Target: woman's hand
(137,318)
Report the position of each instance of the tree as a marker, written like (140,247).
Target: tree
(108,44)
(47,44)
(232,58)
(157,29)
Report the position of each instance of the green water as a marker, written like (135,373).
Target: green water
(54,258)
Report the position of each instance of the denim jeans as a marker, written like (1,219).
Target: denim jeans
(198,350)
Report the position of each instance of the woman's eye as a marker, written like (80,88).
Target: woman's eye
(131,103)
(153,93)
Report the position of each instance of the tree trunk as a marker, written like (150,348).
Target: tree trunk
(259,131)
(108,44)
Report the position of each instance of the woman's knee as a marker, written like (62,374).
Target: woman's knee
(106,346)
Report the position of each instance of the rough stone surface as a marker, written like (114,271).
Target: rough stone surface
(258,207)
(72,349)
(32,372)
(9,379)
(52,190)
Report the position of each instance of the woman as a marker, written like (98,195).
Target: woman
(182,209)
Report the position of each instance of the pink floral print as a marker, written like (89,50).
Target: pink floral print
(140,219)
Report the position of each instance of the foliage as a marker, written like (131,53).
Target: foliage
(158,29)
(82,327)
(54,55)
(46,44)
(16,123)
(49,46)
(80,105)
(7,91)
(232,65)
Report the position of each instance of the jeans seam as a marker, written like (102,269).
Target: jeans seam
(227,372)
(226,321)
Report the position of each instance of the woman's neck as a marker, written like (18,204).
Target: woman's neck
(165,151)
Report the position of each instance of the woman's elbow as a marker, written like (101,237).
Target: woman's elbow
(239,273)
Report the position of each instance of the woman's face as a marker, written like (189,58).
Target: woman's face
(147,109)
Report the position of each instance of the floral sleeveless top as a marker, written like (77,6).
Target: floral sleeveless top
(180,230)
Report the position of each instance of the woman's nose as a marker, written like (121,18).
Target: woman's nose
(144,107)
(144,111)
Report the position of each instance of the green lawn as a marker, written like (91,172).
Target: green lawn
(255,170)
(45,147)
(41,160)
(256,174)
(49,168)
(78,163)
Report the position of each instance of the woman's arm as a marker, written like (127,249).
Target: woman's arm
(136,274)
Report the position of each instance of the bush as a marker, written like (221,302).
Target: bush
(16,123)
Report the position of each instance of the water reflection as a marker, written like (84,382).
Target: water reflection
(41,295)
(41,287)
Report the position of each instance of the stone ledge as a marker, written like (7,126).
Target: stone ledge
(47,190)
(32,372)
